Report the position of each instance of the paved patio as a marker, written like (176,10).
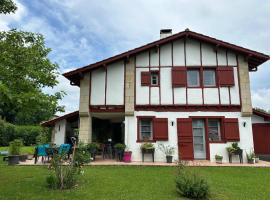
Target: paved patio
(200,163)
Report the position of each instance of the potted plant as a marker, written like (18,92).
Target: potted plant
(14,152)
(257,159)
(127,155)
(119,150)
(92,148)
(251,157)
(148,147)
(218,158)
(168,151)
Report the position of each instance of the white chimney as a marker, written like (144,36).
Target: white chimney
(165,33)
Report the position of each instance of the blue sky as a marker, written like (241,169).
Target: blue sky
(81,32)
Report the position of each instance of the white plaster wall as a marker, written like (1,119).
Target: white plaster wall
(211,96)
(142,59)
(194,95)
(165,86)
(60,135)
(178,53)
(231,58)
(98,87)
(154,95)
(258,119)
(208,55)
(142,92)
(235,99)
(115,84)
(166,55)
(154,57)
(221,54)
(180,95)
(224,95)
(193,53)
(246,139)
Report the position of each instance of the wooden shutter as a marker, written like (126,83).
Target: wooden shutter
(179,77)
(231,129)
(226,76)
(185,138)
(145,78)
(160,129)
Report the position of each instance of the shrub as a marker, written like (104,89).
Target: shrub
(166,149)
(15,147)
(147,146)
(81,156)
(120,146)
(191,185)
(28,134)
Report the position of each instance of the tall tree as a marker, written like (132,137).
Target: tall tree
(25,70)
(7,6)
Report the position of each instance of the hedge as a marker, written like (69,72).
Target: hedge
(27,133)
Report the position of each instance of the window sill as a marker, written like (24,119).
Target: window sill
(143,141)
(217,142)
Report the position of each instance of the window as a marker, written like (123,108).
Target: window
(146,129)
(214,130)
(209,77)
(193,78)
(154,78)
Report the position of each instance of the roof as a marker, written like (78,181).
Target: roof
(254,58)
(261,113)
(69,116)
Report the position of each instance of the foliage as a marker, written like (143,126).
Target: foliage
(15,147)
(251,155)
(24,149)
(27,133)
(120,146)
(82,155)
(166,149)
(7,6)
(92,146)
(233,148)
(147,146)
(191,185)
(24,70)
(218,157)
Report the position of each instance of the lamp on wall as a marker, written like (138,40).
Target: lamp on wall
(244,124)
(172,123)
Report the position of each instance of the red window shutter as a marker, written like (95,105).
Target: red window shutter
(185,138)
(160,129)
(145,78)
(179,77)
(231,129)
(226,76)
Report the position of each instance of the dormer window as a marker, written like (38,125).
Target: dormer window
(154,78)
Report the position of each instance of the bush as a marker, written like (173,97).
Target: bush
(15,147)
(82,155)
(28,134)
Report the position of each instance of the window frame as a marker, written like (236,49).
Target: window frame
(139,118)
(215,78)
(219,130)
(157,74)
(198,77)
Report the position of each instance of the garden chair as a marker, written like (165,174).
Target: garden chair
(40,150)
(64,149)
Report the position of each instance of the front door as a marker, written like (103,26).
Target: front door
(198,131)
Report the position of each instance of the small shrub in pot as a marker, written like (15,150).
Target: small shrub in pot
(168,151)
(219,159)
(14,152)
(119,150)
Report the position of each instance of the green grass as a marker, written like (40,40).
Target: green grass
(131,182)
(24,149)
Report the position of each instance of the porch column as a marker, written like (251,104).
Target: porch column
(85,130)
(129,86)
(245,87)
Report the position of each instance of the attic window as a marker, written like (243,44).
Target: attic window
(154,78)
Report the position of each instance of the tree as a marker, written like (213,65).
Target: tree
(7,6)
(25,70)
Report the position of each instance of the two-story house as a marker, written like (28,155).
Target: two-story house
(188,90)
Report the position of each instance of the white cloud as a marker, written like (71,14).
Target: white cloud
(260,98)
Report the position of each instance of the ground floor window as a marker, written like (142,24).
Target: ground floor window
(214,132)
(145,129)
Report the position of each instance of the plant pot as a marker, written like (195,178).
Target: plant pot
(169,159)
(119,153)
(22,158)
(257,160)
(127,156)
(13,160)
(219,161)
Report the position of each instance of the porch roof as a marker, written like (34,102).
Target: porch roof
(69,116)
(262,114)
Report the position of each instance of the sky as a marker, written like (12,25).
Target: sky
(81,32)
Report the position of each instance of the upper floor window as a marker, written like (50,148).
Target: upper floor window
(214,130)
(209,77)
(154,78)
(146,129)
(193,78)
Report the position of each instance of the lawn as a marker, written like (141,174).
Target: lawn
(131,182)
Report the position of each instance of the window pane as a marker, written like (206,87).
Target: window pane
(154,78)
(193,78)
(209,77)
(214,130)
(146,129)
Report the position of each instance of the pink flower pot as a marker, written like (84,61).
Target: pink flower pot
(127,156)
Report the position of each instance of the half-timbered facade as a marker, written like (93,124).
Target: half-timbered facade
(187,90)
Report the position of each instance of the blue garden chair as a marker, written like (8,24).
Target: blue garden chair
(64,149)
(41,151)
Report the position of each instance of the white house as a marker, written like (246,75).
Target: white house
(188,90)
